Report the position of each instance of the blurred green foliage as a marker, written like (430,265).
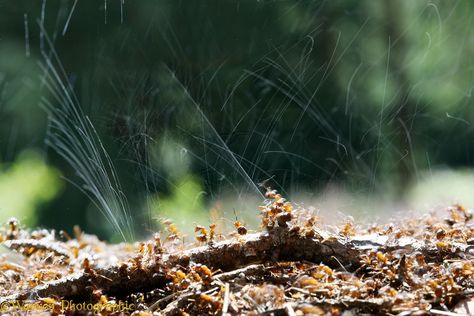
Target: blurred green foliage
(199,100)
(184,206)
(185,203)
(26,184)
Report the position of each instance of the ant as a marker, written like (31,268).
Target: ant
(241,229)
(13,232)
(205,236)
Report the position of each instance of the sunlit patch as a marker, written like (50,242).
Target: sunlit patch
(25,185)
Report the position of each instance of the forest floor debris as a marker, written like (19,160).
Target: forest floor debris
(294,266)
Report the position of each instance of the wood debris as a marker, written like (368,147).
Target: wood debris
(292,267)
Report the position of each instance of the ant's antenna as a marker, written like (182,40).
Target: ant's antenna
(235,214)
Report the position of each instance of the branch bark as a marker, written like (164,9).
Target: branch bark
(228,255)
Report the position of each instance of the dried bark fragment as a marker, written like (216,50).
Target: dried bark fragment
(29,246)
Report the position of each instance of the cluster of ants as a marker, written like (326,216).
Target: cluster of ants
(422,267)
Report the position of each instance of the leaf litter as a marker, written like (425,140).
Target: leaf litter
(293,266)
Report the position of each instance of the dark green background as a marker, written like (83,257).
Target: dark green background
(365,95)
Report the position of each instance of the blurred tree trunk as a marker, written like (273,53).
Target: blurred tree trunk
(400,120)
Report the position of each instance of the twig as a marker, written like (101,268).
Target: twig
(172,309)
(340,264)
(158,303)
(314,293)
(12,266)
(241,273)
(286,310)
(225,306)
(35,245)
(289,310)
(275,312)
(444,313)
(259,308)
(369,305)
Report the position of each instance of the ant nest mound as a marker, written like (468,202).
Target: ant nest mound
(293,266)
